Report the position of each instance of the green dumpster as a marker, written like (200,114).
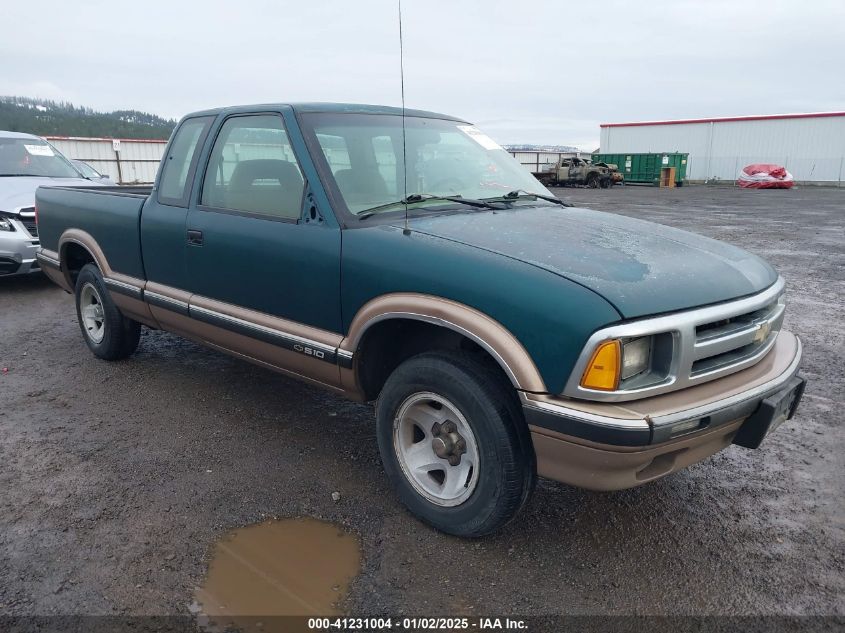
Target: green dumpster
(646,168)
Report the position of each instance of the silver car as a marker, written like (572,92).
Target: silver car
(27,162)
(90,173)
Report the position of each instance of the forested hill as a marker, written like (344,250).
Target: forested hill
(45,118)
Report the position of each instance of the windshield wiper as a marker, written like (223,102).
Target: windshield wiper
(428,197)
(521,194)
(19,175)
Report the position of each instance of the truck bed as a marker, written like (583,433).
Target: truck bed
(110,214)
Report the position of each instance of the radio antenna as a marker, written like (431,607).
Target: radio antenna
(407,231)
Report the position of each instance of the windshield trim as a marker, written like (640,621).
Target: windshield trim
(395,218)
(414,211)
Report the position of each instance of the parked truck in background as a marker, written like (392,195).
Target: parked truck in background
(569,171)
(616,176)
(501,333)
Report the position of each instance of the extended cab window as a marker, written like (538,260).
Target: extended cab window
(253,169)
(181,161)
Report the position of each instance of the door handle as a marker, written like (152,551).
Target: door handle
(194,237)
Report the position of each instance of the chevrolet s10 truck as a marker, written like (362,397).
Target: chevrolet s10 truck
(411,262)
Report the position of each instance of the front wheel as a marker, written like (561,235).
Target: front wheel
(109,334)
(454,443)
(593,181)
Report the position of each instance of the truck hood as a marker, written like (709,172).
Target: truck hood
(640,267)
(19,191)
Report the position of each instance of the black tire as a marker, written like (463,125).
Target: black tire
(593,181)
(119,336)
(507,469)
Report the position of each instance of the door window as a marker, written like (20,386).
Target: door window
(180,162)
(252,168)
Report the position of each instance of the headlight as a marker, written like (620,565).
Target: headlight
(6,225)
(616,361)
(636,355)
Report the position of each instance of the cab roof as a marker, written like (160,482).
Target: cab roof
(342,108)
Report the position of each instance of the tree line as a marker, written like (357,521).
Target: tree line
(60,118)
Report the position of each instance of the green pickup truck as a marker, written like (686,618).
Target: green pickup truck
(406,259)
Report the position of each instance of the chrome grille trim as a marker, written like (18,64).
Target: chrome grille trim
(718,343)
(750,341)
(698,335)
(26,216)
(30,226)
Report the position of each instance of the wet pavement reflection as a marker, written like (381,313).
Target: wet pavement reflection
(292,567)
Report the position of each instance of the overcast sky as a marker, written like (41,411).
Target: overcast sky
(533,71)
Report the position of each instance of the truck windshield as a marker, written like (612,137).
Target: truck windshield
(33,157)
(364,154)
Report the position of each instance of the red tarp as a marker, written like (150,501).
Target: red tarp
(765,176)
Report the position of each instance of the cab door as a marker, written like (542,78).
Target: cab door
(261,259)
(565,170)
(165,212)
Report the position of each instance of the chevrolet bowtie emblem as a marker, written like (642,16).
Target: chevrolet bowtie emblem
(762,332)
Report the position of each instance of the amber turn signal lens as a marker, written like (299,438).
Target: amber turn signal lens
(603,369)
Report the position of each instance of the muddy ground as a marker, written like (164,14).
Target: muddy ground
(117,478)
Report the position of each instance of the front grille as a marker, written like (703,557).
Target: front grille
(27,218)
(692,347)
(30,226)
(723,344)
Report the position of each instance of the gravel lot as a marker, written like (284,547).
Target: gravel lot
(117,478)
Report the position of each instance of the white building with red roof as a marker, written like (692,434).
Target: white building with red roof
(810,145)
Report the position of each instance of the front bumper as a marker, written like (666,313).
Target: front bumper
(17,254)
(613,446)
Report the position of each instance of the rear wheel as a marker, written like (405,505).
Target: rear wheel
(454,443)
(109,334)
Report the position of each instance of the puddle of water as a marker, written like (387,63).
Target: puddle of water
(278,568)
